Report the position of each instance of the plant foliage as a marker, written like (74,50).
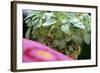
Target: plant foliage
(63,31)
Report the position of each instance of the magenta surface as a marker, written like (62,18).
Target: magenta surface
(30,49)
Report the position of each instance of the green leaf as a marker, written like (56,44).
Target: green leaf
(68,38)
(86,19)
(70,15)
(79,25)
(48,15)
(63,21)
(31,15)
(58,34)
(28,17)
(39,23)
(65,28)
(61,44)
(71,49)
(29,24)
(77,39)
(35,22)
(55,42)
(49,22)
(61,17)
(76,22)
(27,21)
(35,17)
(27,35)
(87,38)
(67,52)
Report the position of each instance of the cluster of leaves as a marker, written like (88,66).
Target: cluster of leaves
(63,31)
